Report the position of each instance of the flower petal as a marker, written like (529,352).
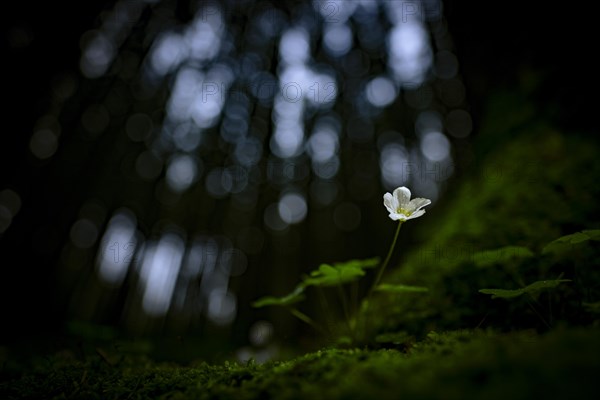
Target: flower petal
(402,195)
(418,203)
(390,203)
(416,214)
(398,217)
(394,216)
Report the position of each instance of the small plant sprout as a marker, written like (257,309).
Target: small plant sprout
(401,209)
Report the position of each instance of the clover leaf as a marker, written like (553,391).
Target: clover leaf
(328,275)
(294,297)
(340,272)
(566,242)
(532,288)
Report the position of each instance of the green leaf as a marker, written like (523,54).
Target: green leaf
(386,287)
(503,293)
(539,285)
(565,243)
(328,275)
(362,264)
(532,288)
(340,272)
(324,269)
(292,298)
(593,234)
(501,255)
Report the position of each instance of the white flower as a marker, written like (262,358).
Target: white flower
(401,207)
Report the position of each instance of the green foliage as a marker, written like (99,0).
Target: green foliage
(390,288)
(529,289)
(565,243)
(340,273)
(328,275)
(296,296)
(507,254)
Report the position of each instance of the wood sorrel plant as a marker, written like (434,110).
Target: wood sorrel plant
(401,209)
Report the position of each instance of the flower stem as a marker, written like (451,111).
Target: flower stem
(387,259)
(345,309)
(367,300)
(305,318)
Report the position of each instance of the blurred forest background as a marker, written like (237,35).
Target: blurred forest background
(168,162)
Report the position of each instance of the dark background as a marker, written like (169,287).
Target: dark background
(40,41)
(495,43)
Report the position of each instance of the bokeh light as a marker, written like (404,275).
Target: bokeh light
(435,146)
(117,247)
(381,91)
(11,201)
(459,123)
(43,144)
(182,172)
(292,208)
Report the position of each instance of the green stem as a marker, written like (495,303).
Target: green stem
(354,299)
(379,275)
(537,313)
(325,308)
(305,318)
(387,259)
(345,309)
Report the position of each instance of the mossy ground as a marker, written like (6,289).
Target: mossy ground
(528,184)
(455,365)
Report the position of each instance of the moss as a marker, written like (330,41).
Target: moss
(452,365)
